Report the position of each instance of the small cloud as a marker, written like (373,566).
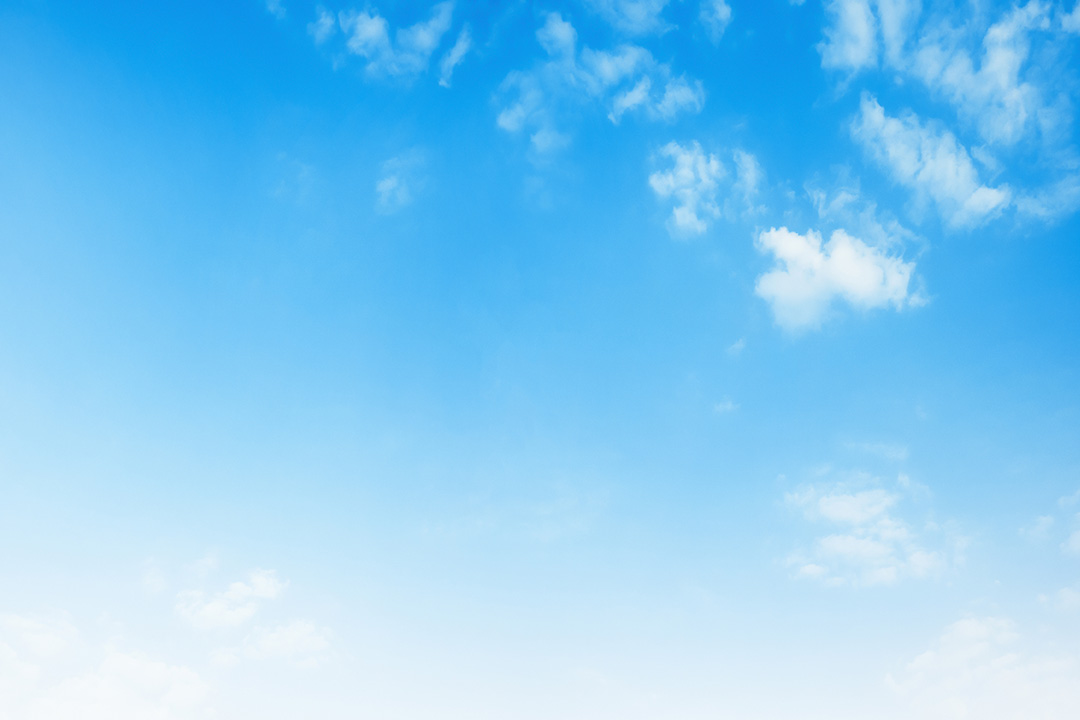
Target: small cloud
(400,179)
(736,348)
(234,606)
(407,54)
(715,16)
(323,26)
(454,56)
(692,184)
(725,406)
(276,8)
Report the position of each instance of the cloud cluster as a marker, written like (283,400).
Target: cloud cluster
(809,276)
(701,188)
(930,161)
(635,17)
(866,543)
(624,80)
(402,54)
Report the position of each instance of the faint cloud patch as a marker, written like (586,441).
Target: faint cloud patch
(233,606)
(866,540)
(276,8)
(983,667)
(401,178)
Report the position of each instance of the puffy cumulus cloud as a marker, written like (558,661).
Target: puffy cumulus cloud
(691,184)
(454,56)
(625,80)
(636,17)
(234,606)
(866,542)
(400,179)
(985,668)
(48,672)
(406,55)
(930,161)
(715,16)
(809,276)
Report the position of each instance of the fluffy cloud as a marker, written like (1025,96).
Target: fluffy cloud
(692,184)
(851,38)
(928,160)
(407,54)
(234,606)
(994,96)
(624,80)
(866,542)
(276,8)
(1071,22)
(983,668)
(715,16)
(810,276)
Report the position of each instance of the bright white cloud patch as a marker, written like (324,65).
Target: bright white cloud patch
(626,80)
(929,161)
(234,606)
(407,54)
(454,56)
(866,542)
(984,668)
(715,16)
(810,276)
(692,184)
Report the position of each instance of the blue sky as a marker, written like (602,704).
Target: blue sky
(608,358)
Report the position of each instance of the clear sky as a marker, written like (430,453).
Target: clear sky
(626,359)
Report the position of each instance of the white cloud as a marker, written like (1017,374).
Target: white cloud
(983,668)
(715,16)
(1071,22)
(408,54)
(624,80)
(737,347)
(929,161)
(692,184)
(851,38)
(323,26)
(454,56)
(809,276)
(866,542)
(1040,529)
(48,673)
(636,17)
(276,8)
(995,97)
(299,641)
(233,606)
(400,179)
(1072,543)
